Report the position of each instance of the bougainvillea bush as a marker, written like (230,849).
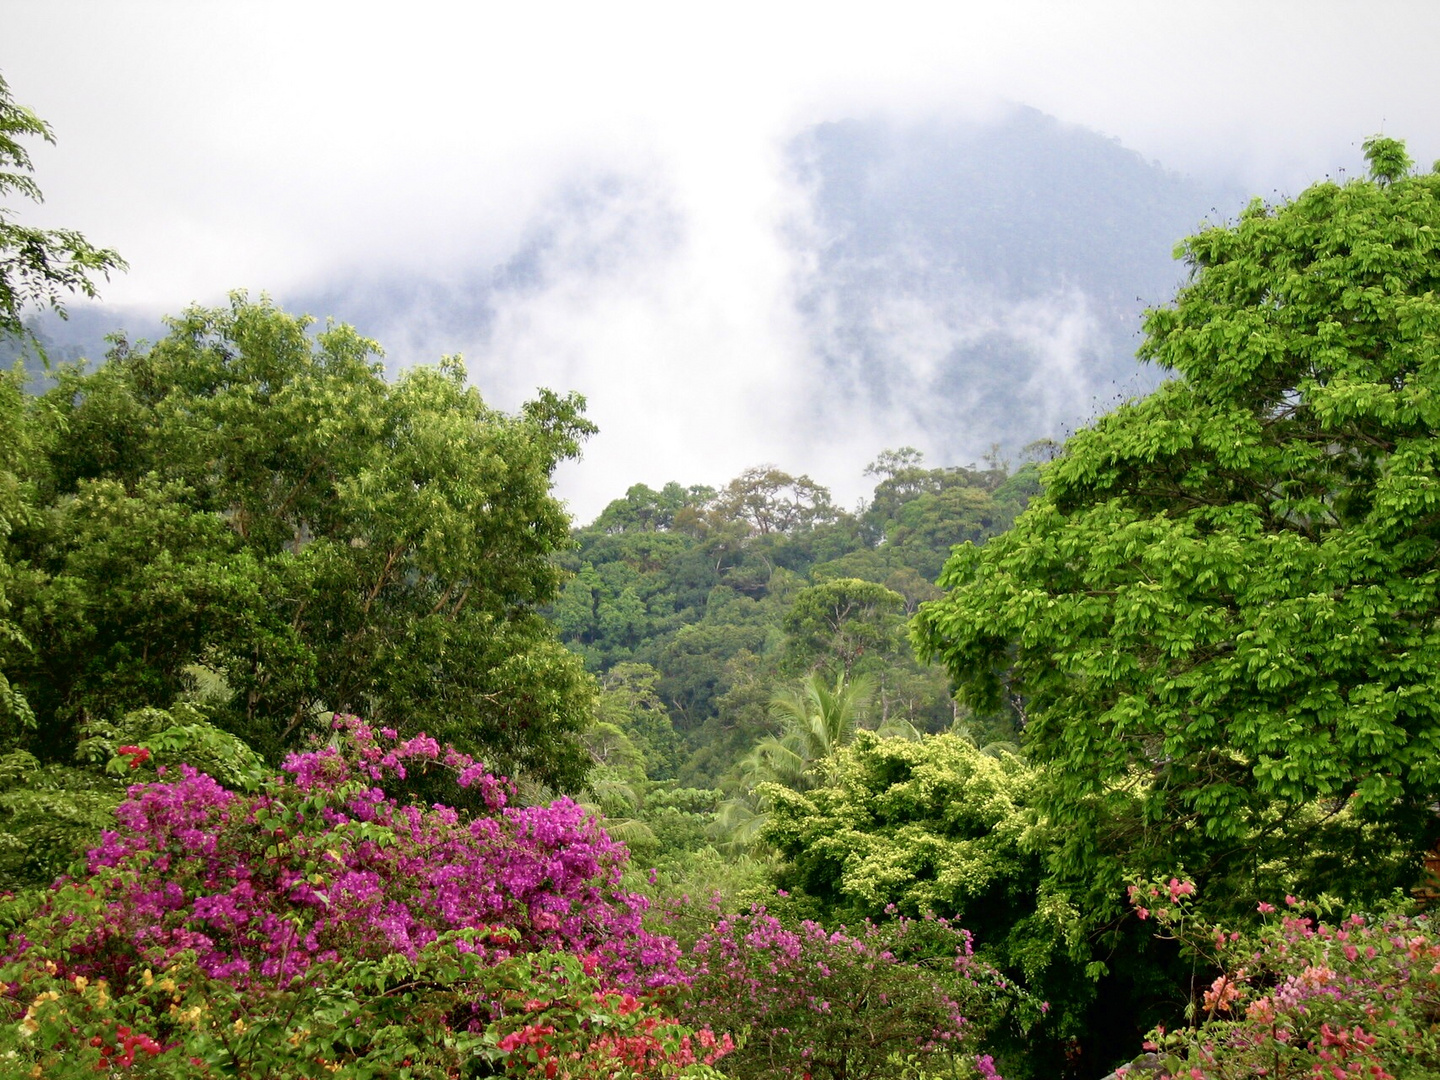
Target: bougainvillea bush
(442,1014)
(320,926)
(901,998)
(1302,995)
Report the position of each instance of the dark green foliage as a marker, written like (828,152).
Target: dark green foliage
(629,702)
(49,816)
(117,592)
(254,502)
(52,813)
(16,503)
(36,266)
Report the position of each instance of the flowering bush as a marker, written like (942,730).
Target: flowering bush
(891,999)
(441,1014)
(52,813)
(1301,996)
(322,863)
(321,917)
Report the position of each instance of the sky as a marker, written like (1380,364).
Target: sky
(307,149)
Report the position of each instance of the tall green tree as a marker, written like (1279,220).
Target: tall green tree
(1220,619)
(837,622)
(16,506)
(253,499)
(37,265)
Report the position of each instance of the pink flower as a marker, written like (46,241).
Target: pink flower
(1223,991)
(197,856)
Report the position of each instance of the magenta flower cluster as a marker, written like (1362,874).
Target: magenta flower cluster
(323,864)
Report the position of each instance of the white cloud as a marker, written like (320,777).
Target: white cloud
(284,146)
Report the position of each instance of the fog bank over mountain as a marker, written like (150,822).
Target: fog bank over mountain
(946,284)
(978,283)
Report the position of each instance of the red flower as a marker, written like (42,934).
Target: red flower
(138,755)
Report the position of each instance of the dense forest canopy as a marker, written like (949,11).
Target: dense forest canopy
(250,515)
(728,594)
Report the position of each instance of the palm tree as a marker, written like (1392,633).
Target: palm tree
(816,719)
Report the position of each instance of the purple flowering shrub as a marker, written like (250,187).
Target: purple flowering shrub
(1300,996)
(321,917)
(322,863)
(901,998)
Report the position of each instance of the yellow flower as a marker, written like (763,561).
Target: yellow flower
(187,1016)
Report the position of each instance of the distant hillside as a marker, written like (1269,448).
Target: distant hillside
(984,281)
(959,283)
